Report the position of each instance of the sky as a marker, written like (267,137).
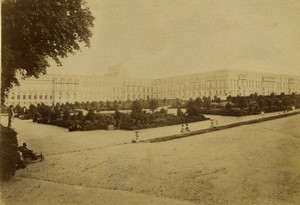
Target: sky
(164,38)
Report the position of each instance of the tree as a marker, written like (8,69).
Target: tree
(190,107)
(136,107)
(91,115)
(66,116)
(228,106)
(272,95)
(217,99)
(293,96)
(207,102)
(80,116)
(179,112)
(269,102)
(286,101)
(57,113)
(177,103)
(163,111)
(76,105)
(32,109)
(229,98)
(153,105)
(108,104)
(261,101)
(242,102)
(35,31)
(276,102)
(18,109)
(115,105)
(282,94)
(199,102)
(117,117)
(47,113)
(42,108)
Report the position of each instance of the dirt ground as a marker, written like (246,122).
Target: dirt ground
(253,164)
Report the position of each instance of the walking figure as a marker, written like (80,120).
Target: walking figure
(211,122)
(187,128)
(137,136)
(182,128)
(10,115)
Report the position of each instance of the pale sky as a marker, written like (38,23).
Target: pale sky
(162,38)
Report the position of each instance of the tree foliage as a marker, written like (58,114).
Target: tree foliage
(207,102)
(193,107)
(136,107)
(35,30)
(228,106)
(153,105)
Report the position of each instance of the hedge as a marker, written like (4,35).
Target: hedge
(8,153)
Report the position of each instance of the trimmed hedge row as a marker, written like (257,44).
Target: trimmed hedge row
(239,112)
(152,120)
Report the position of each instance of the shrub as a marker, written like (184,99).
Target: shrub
(163,111)
(228,106)
(157,119)
(8,153)
(88,125)
(61,123)
(179,112)
(80,115)
(91,115)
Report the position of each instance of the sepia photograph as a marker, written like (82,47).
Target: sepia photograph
(150,102)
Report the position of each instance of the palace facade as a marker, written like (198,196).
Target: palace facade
(51,89)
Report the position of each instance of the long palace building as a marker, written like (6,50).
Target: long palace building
(51,89)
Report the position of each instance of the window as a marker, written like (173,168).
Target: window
(18,97)
(24,97)
(29,97)
(35,97)
(41,97)
(46,97)
(50,97)
(12,97)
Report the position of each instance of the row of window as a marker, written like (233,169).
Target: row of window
(34,97)
(26,103)
(133,88)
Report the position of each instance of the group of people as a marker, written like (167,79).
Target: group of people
(23,150)
(186,129)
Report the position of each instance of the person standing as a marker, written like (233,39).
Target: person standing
(10,115)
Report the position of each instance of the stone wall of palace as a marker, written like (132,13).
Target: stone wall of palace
(52,89)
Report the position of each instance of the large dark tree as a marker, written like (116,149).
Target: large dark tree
(34,31)
(153,105)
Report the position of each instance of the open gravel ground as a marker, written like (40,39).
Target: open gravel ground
(251,164)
